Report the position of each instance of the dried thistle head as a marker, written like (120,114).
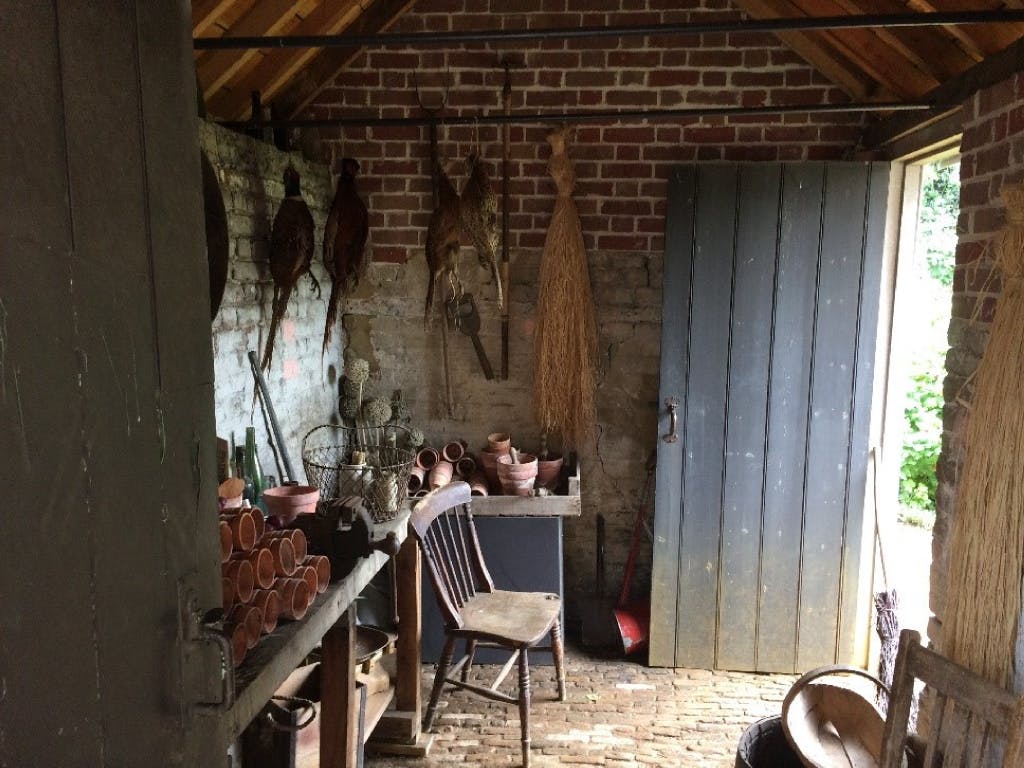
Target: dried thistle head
(357,370)
(416,437)
(377,412)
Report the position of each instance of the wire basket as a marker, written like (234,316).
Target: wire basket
(380,476)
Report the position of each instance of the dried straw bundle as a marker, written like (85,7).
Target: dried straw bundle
(565,343)
(987,551)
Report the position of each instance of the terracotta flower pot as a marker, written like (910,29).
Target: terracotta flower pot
(489,462)
(269,602)
(309,575)
(243,529)
(262,562)
(241,573)
(298,539)
(226,544)
(260,521)
(478,484)
(517,479)
(252,618)
(499,442)
(441,474)
(238,637)
(465,467)
(286,502)
(549,471)
(426,458)
(416,476)
(295,597)
(453,451)
(323,571)
(284,555)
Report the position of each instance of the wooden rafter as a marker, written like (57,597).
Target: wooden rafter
(205,14)
(326,66)
(276,68)
(828,62)
(984,38)
(266,17)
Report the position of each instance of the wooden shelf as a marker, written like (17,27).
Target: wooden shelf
(376,705)
(533,506)
(268,665)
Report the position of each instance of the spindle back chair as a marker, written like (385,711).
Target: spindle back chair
(971,718)
(475,611)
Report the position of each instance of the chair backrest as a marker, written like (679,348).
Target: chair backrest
(971,718)
(442,522)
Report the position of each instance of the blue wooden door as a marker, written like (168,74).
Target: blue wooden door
(771,289)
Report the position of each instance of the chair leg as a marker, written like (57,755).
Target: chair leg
(558,651)
(470,652)
(524,704)
(442,671)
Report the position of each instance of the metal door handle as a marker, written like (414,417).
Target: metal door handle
(672,404)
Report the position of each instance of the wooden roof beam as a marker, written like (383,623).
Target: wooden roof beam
(267,17)
(205,14)
(984,39)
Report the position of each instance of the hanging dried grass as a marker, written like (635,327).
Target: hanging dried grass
(565,341)
(987,549)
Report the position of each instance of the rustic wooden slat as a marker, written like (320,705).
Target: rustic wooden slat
(874,206)
(793,327)
(338,716)
(205,13)
(989,38)
(828,434)
(679,231)
(897,719)
(410,618)
(749,362)
(704,416)
(267,17)
(276,68)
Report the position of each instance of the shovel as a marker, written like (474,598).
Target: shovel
(634,618)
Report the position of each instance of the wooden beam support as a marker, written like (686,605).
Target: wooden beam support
(939,135)
(985,39)
(949,96)
(277,67)
(205,14)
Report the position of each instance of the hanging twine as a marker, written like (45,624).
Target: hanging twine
(987,546)
(565,341)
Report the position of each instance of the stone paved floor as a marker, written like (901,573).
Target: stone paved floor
(617,713)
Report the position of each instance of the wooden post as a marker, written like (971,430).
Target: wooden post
(338,708)
(408,694)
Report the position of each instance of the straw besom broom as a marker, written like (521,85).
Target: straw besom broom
(987,550)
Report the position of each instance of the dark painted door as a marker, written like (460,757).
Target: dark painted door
(772,276)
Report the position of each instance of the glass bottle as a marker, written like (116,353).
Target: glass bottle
(252,463)
(238,469)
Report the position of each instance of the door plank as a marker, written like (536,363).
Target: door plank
(793,326)
(750,353)
(679,229)
(704,416)
(828,434)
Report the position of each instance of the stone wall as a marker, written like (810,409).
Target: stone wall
(992,153)
(302,385)
(622,172)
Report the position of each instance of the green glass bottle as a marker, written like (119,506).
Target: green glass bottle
(252,464)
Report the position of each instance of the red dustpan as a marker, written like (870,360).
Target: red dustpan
(634,619)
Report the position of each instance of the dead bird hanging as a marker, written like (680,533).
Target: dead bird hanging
(479,215)
(291,253)
(442,240)
(344,241)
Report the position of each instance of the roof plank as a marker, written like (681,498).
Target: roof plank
(205,13)
(985,38)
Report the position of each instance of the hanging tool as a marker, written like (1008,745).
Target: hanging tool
(261,387)
(466,318)
(506,140)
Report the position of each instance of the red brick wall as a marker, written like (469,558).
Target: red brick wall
(992,155)
(621,171)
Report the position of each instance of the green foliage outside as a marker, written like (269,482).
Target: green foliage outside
(932,266)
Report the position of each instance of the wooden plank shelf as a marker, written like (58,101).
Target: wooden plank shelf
(268,665)
(533,506)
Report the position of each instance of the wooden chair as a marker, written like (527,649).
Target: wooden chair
(475,611)
(970,717)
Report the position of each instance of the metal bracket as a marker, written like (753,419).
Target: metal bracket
(672,404)
(197,634)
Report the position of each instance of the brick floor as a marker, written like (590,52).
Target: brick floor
(617,713)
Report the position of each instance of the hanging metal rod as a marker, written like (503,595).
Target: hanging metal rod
(609,116)
(752,26)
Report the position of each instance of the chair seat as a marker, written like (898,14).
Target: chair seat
(510,618)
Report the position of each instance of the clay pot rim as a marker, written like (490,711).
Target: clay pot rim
(530,459)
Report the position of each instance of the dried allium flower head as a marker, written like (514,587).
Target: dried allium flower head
(377,412)
(357,370)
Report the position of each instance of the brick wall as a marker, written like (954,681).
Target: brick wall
(302,386)
(622,172)
(992,154)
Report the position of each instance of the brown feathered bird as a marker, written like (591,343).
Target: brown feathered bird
(442,239)
(479,214)
(291,253)
(344,241)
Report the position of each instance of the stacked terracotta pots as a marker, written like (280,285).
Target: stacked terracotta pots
(265,576)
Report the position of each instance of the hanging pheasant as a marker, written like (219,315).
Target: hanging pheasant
(442,239)
(344,241)
(479,214)
(291,253)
